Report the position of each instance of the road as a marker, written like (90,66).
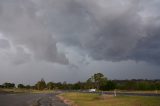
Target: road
(30,100)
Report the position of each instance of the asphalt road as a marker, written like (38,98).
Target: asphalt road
(30,100)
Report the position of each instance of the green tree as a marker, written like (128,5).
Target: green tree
(50,85)
(107,85)
(98,79)
(41,85)
(28,87)
(90,83)
(21,86)
(8,85)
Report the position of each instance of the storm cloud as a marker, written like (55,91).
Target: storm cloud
(19,23)
(106,30)
(74,33)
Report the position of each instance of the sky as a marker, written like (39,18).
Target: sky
(70,40)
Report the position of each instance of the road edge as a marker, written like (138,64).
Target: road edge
(66,101)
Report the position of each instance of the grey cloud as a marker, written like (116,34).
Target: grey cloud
(108,30)
(148,49)
(127,37)
(90,36)
(105,29)
(4,44)
(20,23)
(20,56)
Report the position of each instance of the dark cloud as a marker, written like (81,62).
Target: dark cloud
(20,56)
(4,44)
(148,50)
(108,30)
(20,24)
(83,35)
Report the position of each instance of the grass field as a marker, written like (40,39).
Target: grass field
(82,99)
(126,91)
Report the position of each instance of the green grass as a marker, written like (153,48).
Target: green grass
(126,91)
(82,99)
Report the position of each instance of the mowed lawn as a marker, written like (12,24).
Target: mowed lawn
(84,99)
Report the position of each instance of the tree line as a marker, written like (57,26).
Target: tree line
(97,81)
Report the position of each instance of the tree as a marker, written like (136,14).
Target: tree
(50,85)
(90,83)
(98,78)
(28,87)
(21,86)
(41,85)
(107,85)
(65,85)
(1,86)
(96,81)
(8,85)
(77,86)
(58,85)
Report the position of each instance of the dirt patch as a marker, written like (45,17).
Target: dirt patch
(67,101)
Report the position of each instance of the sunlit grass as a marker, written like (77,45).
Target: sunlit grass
(82,99)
